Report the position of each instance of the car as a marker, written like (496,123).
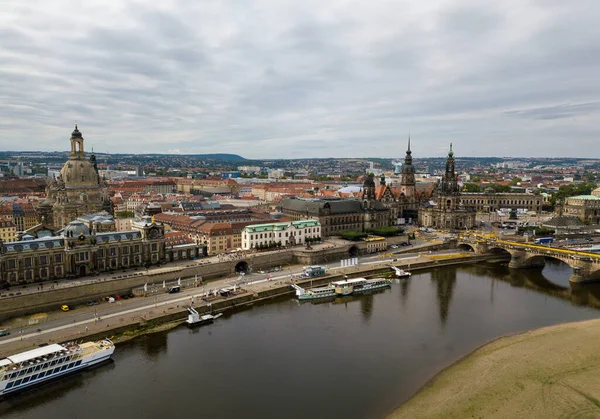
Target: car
(92,303)
(395,246)
(65,307)
(4,332)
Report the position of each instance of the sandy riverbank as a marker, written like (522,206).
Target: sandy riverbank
(546,373)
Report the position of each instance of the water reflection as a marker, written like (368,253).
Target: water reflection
(586,294)
(154,344)
(445,282)
(404,288)
(366,307)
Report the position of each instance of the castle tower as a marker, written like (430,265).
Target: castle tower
(407,184)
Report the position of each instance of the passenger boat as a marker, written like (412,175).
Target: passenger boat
(400,273)
(26,369)
(195,319)
(314,293)
(358,285)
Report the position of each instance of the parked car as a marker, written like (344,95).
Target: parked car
(4,332)
(65,307)
(92,303)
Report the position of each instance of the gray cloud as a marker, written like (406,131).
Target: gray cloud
(300,79)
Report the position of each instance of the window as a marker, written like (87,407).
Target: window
(27,262)
(28,274)
(100,253)
(11,264)
(154,247)
(43,260)
(113,251)
(58,258)
(125,250)
(136,248)
(58,270)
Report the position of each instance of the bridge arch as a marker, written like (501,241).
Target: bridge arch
(241,267)
(466,247)
(353,251)
(500,251)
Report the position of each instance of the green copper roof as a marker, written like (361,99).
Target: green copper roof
(258,228)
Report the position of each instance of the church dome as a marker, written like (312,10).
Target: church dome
(77,228)
(76,133)
(79,173)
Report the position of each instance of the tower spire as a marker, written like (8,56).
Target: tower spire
(409,141)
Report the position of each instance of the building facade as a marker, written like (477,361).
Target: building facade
(78,191)
(584,207)
(446,210)
(335,215)
(490,201)
(79,251)
(8,231)
(284,234)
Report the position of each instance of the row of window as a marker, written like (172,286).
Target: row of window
(42,374)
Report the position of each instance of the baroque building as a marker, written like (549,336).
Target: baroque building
(584,207)
(447,210)
(78,190)
(78,251)
(335,214)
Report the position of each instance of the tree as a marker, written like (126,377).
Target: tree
(514,181)
(125,214)
(471,187)
(566,191)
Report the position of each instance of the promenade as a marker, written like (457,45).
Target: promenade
(85,321)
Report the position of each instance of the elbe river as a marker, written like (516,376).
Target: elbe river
(353,357)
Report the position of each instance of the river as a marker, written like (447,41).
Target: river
(355,357)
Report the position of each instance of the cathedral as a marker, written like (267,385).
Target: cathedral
(78,190)
(446,209)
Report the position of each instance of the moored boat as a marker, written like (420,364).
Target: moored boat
(195,319)
(400,273)
(40,365)
(314,293)
(357,285)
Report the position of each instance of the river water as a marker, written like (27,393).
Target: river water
(355,357)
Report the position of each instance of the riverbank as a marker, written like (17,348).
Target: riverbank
(549,372)
(143,321)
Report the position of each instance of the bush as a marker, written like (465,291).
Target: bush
(385,231)
(352,235)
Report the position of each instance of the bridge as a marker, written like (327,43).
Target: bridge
(585,265)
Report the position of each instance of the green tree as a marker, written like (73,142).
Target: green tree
(572,190)
(471,187)
(125,214)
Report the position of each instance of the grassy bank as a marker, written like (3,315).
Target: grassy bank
(546,373)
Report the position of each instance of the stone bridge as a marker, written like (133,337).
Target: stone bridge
(586,266)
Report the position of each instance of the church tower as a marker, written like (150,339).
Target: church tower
(449,180)
(368,195)
(407,185)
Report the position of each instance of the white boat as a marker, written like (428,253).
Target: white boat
(400,273)
(195,319)
(26,369)
(358,285)
(313,293)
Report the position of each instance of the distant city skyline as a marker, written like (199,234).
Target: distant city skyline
(269,80)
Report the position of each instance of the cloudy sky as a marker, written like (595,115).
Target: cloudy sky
(285,79)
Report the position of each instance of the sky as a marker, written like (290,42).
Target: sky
(297,79)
